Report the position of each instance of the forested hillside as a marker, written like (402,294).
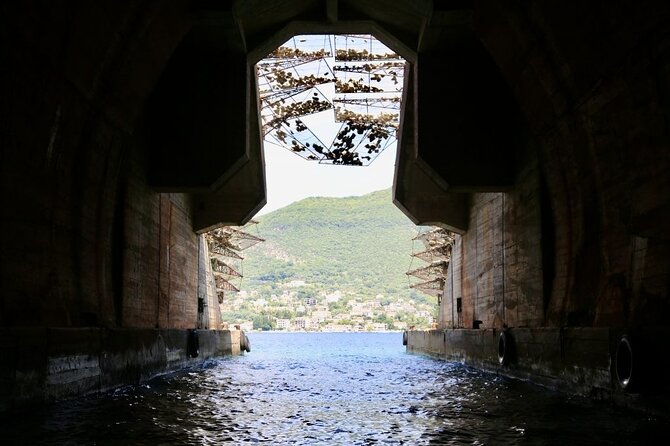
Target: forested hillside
(359,246)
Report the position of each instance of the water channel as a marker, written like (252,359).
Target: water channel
(332,389)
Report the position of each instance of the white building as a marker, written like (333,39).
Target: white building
(295,283)
(333,297)
(260,303)
(378,327)
(283,324)
(246,325)
(321,316)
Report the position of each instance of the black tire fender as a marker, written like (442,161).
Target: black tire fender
(247,343)
(193,344)
(504,348)
(624,364)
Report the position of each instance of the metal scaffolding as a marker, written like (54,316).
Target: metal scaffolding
(225,244)
(437,244)
(334,99)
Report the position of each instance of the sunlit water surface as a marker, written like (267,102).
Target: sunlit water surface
(331,389)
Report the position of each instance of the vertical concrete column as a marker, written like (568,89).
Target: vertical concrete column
(211,317)
(203,300)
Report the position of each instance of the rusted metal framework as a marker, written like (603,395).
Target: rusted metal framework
(434,254)
(433,287)
(437,245)
(435,237)
(243,240)
(223,251)
(224,244)
(334,99)
(224,285)
(218,266)
(438,268)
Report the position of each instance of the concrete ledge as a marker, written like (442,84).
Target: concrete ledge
(576,360)
(39,365)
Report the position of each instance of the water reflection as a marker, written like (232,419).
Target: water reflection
(358,389)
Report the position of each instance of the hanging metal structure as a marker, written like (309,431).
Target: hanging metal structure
(437,244)
(435,269)
(224,244)
(334,99)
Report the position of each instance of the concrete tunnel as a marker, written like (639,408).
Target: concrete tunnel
(538,132)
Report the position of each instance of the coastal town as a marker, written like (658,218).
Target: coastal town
(273,298)
(295,309)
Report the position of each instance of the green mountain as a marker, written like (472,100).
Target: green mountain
(360,245)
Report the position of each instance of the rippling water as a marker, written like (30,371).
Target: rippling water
(332,388)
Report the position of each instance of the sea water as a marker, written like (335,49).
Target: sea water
(333,389)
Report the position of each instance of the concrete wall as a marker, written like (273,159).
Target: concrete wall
(596,104)
(211,317)
(85,241)
(581,238)
(160,259)
(99,270)
(496,267)
(574,360)
(576,253)
(47,364)
(554,170)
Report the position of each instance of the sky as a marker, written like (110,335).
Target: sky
(290,178)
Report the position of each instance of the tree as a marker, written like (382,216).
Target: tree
(263,322)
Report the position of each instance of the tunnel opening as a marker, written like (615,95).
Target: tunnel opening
(335,100)
(323,264)
(96,275)
(332,98)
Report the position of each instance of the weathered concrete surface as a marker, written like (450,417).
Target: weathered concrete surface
(496,266)
(574,360)
(559,190)
(416,193)
(87,238)
(211,315)
(42,365)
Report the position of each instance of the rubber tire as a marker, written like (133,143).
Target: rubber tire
(193,344)
(247,344)
(624,364)
(504,348)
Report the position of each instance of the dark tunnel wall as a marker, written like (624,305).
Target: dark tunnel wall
(83,236)
(594,99)
(590,206)
(191,115)
(574,232)
(600,117)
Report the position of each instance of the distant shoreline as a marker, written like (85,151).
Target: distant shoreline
(322,331)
